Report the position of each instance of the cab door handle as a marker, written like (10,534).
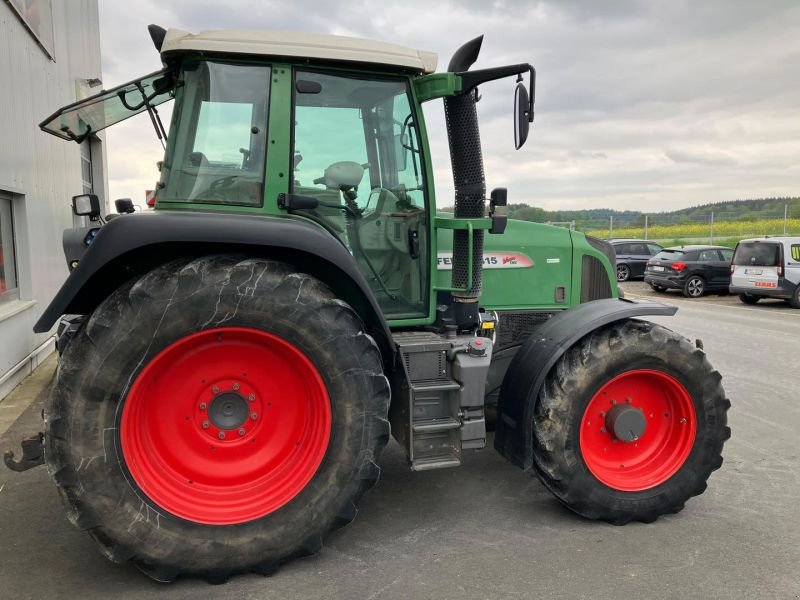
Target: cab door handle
(413,242)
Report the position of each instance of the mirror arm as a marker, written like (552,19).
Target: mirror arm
(471,79)
(532,86)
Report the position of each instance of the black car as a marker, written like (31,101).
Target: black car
(694,270)
(632,256)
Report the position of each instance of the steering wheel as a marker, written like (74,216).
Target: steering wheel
(219,188)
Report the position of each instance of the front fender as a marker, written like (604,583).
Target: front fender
(134,244)
(529,368)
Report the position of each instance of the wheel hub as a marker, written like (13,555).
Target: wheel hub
(228,410)
(626,422)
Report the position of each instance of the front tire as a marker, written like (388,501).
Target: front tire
(629,366)
(201,423)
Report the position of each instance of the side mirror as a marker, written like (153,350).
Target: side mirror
(521,115)
(87,205)
(124,206)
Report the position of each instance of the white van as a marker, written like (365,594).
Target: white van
(767,268)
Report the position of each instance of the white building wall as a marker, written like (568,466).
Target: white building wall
(40,171)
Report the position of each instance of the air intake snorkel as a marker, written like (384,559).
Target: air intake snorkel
(466,158)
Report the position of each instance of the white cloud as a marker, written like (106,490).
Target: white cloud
(640,105)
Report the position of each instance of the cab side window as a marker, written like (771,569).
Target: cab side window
(218,153)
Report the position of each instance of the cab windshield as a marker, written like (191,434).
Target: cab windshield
(357,151)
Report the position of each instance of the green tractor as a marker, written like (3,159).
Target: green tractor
(234,361)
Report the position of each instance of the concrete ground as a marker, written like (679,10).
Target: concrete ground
(487,530)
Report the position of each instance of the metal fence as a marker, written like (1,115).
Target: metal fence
(703,228)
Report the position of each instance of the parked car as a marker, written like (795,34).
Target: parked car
(767,268)
(632,256)
(694,270)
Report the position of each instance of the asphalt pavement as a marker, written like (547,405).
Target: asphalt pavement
(487,530)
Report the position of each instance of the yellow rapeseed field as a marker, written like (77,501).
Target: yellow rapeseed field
(699,230)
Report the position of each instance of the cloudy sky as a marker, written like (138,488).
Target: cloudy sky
(639,104)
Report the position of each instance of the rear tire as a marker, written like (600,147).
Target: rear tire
(694,287)
(748,299)
(262,335)
(577,459)
(795,299)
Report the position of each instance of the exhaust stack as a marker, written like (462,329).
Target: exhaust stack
(466,158)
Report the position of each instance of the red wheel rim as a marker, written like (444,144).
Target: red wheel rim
(225,426)
(670,426)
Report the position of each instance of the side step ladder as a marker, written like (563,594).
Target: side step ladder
(441,409)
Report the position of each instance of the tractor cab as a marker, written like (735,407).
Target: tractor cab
(333,135)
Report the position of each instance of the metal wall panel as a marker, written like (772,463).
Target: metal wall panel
(41,172)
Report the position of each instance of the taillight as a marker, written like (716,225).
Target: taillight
(649,263)
(678,266)
(733,268)
(780,268)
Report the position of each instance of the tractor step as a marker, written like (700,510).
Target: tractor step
(436,425)
(427,464)
(443,388)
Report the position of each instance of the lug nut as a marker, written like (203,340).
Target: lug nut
(242,431)
(202,406)
(215,389)
(251,397)
(221,435)
(206,424)
(235,386)
(254,415)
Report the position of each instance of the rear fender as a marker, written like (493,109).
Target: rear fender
(129,246)
(537,356)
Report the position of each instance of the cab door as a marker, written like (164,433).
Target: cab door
(357,151)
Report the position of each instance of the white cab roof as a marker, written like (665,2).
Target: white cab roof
(300,45)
